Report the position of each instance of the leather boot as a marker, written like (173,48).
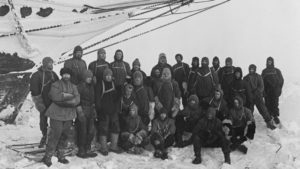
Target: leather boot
(114,144)
(197,159)
(47,160)
(270,125)
(227,158)
(103,143)
(82,153)
(43,141)
(61,157)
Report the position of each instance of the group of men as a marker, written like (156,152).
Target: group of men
(110,102)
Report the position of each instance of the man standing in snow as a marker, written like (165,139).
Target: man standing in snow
(77,65)
(273,82)
(209,133)
(181,71)
(40,84)
(226,75)
(257,89)
(192,77)
(61,112)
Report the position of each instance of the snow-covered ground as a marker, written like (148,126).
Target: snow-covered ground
(278,149)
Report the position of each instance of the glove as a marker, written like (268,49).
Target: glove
(158,104)
(80,114)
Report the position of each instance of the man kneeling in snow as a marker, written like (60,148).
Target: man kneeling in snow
(208,133)
(241,124)
(162,134)
(133,137)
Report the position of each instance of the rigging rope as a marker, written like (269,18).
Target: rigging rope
(154,29)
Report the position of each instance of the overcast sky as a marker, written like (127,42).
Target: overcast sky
(247,30)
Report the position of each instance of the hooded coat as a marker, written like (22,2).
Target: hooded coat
(226,76)
(98,67)
(181,72)
(216,67)
(206,82)
(193,112)
(241,88)
(239,116)
(255,82)
(220,105)
(163,128)
(121,70)
(40,84)
(192,77)
(78,67)
(273,79)
(160,67)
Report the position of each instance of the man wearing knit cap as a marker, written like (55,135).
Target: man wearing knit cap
(77,65)
(226,75)
(273,81)
(162,63)
(86,116)
(40,83)
(62,112)
(98,66)
(206,82)
(181,71)
(192,77)
(257,88)
(136,66)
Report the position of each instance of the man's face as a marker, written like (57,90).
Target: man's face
(128,91)
(119,55)
(89,80)
(132,112)
(157,73)
(66,76)
(163,60)
(192,103)
(102,56)
(228,63)
(215,62)
(236,103)
(217,95)
(237,75)
(49,66)
(195,63)
(137,81)
(178,59)
(166,74)
(78,54)
(270,62)
(251,70)
(211,114)
(163,116)
(108,78)
(204,63)
(136,67)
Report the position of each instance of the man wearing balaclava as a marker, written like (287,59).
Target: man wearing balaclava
(257,89)
(226,75)
(273,82)
(216,64)
(77,65)
(206,80)
(40,84)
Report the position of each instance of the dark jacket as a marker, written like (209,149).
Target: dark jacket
(142,99)
(193,113)
(192,78)
(256,84)
(226,75)
(206,83)
(98,67)
(273,80)
(220,106)
(181,72)
(63,109)
(108,99)
(240,116)
(163,127)
(40,84)
(78,66)
(87,94)
(120,69)
(241,88)
(161,67)
(209,130)
(166,92)
(134,124)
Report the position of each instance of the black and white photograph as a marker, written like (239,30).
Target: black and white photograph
(149,84)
